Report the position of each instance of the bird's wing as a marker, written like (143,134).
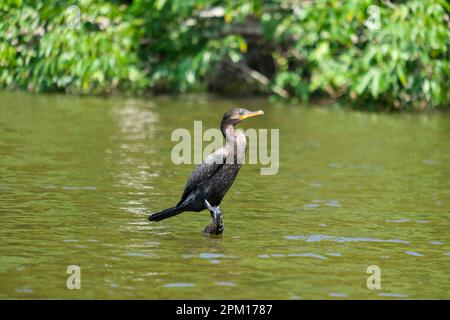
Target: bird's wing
(204,171)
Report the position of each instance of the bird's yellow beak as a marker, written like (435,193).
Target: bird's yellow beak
(251,114)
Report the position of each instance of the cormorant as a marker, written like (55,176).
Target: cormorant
(212,178)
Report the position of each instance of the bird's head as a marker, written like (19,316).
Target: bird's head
(237,115)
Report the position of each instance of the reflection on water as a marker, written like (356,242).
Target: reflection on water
(79,176)
(131,145)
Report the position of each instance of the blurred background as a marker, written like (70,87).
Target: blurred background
(383,54)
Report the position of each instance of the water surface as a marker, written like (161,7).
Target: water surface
(79,176)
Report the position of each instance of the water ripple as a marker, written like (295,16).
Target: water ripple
(281,255)
(179,285)
(334,254)
(208,255)
(413,253)
(225,283)
(396,295)
(24,290)
(398,220)
(311,255)
(338,295)
(321,237)
(141,254)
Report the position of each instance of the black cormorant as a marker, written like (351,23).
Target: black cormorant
(212,178)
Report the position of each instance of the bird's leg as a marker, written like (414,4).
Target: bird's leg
(210,208)
(216,225)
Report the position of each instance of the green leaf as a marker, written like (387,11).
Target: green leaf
(364,82)
(375,84)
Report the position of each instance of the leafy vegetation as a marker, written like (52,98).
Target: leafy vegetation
(290,49)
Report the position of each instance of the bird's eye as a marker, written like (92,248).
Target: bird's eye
(241,112)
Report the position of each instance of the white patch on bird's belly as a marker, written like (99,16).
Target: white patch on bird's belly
(216,157)
(232,153)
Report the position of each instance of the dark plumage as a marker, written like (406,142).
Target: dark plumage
(211,179)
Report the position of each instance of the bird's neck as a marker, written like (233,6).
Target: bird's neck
(235,143)
(228,132)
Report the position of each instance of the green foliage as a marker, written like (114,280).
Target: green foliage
(322,47)
(402,62)
(41,53)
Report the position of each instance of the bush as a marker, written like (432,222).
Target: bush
(290,49)
(38,50)
(402,61)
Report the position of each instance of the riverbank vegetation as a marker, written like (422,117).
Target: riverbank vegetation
(370,52)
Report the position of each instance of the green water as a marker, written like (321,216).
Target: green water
(79,176)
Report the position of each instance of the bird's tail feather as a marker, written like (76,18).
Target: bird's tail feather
(166,213)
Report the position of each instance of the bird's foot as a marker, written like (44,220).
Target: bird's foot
(216,225)
(214,228)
